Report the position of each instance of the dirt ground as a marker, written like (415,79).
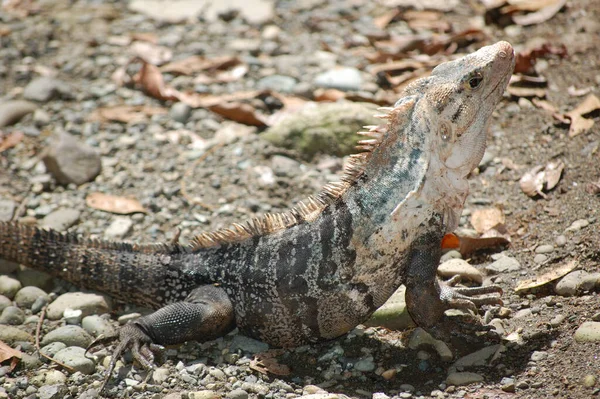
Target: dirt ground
(74,44)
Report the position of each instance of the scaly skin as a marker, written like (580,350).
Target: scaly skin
(314,273)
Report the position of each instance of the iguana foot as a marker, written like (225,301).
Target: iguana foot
(464,297)
(130,337)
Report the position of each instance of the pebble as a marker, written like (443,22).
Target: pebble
(345,79)
(160,375)
(7,210)
(206,394)
(9,286)
(393,314)
(71,161)
(52,348)
(589,331)
(540,258)
(365,365)
(13,111)
(589,381)
(4,302)
(502,265)
(126,318)
(537,356)
(507,384)
(452,254)
(560,241)
(87,303)
(69,335)
(10,334)
(72,316)
(48,377)
(61,219)
(277,83)
(478,358)
(56,391)
(7,267)
(74,357)
(544,249)
(453,267)
(180,112)
(420,337)
(27,296)
(119,228)
(249,345)
(463,378)
(578,225)
(238,394)
(44,89)
(96,325)
(12,315)
(577,281)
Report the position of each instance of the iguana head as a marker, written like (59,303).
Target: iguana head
(463,94)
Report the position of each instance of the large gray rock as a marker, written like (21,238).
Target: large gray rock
(87,303)
(393,314)
(71,161)
(68,335)
(326,128)
(75,358)
(61,219)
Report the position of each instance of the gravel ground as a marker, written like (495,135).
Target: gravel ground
(198,168)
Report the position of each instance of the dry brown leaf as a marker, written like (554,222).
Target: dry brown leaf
(149,37)
(151,53)
(540,179)
(8,353)
(468,245)
(196,64)
(114,204)
(329,95)
(483,220)
(593,188)
(384,20)
(550,8)
(579,124)
(547,277)
(545,105)
(10,140)
(525,60)
(126,113)
(197,100)
(266,363)
(527,92)
(419,20)
(153,84)
(240,112)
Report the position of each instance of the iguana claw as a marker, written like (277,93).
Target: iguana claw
(131,337)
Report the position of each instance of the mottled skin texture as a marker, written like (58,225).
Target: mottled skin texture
(315,273)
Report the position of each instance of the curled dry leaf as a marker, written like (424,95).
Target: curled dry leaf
(486,219)
(114,204)
(266,363)
(240,112)
(126,113)
(8,353)
(468,245)
(579,123)
(11,140)
(152,82)
(525,60)
(548,10)
(151,53)
(196,64)
(540,179)
(547,277)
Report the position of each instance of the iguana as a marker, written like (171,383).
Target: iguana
(315,272)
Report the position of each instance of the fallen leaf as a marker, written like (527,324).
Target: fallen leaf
(527,92)
(419,20)
(540,179)
(151,53)
(579,124)
(329,95)
(593,188)
(266,363)
(10,140)
(149,37)
(575,92)
(483,220)
(8,353)
(126,113)
(196,64)
(114,204)
(549,9)
(547,277)
(525,60)
(239,112)
(468,245)
(384,20)
(153,83)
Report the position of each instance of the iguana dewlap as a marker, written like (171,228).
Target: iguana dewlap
(317,271)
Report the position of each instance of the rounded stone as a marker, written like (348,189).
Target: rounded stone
(27,296)
(10,334)
(12,315)
(87,303)
(75,358)
(9,286)
(69,335)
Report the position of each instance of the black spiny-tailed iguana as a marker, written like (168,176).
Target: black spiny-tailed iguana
(317,271)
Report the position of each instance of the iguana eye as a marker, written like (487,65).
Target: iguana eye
(475,80)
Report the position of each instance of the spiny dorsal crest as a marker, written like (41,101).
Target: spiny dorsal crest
(310,208)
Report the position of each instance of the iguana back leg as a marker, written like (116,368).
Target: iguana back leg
(207,313)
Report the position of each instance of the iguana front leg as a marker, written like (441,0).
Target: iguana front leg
(207,313)
(427,298)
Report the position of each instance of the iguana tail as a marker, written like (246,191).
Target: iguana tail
(131,272)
